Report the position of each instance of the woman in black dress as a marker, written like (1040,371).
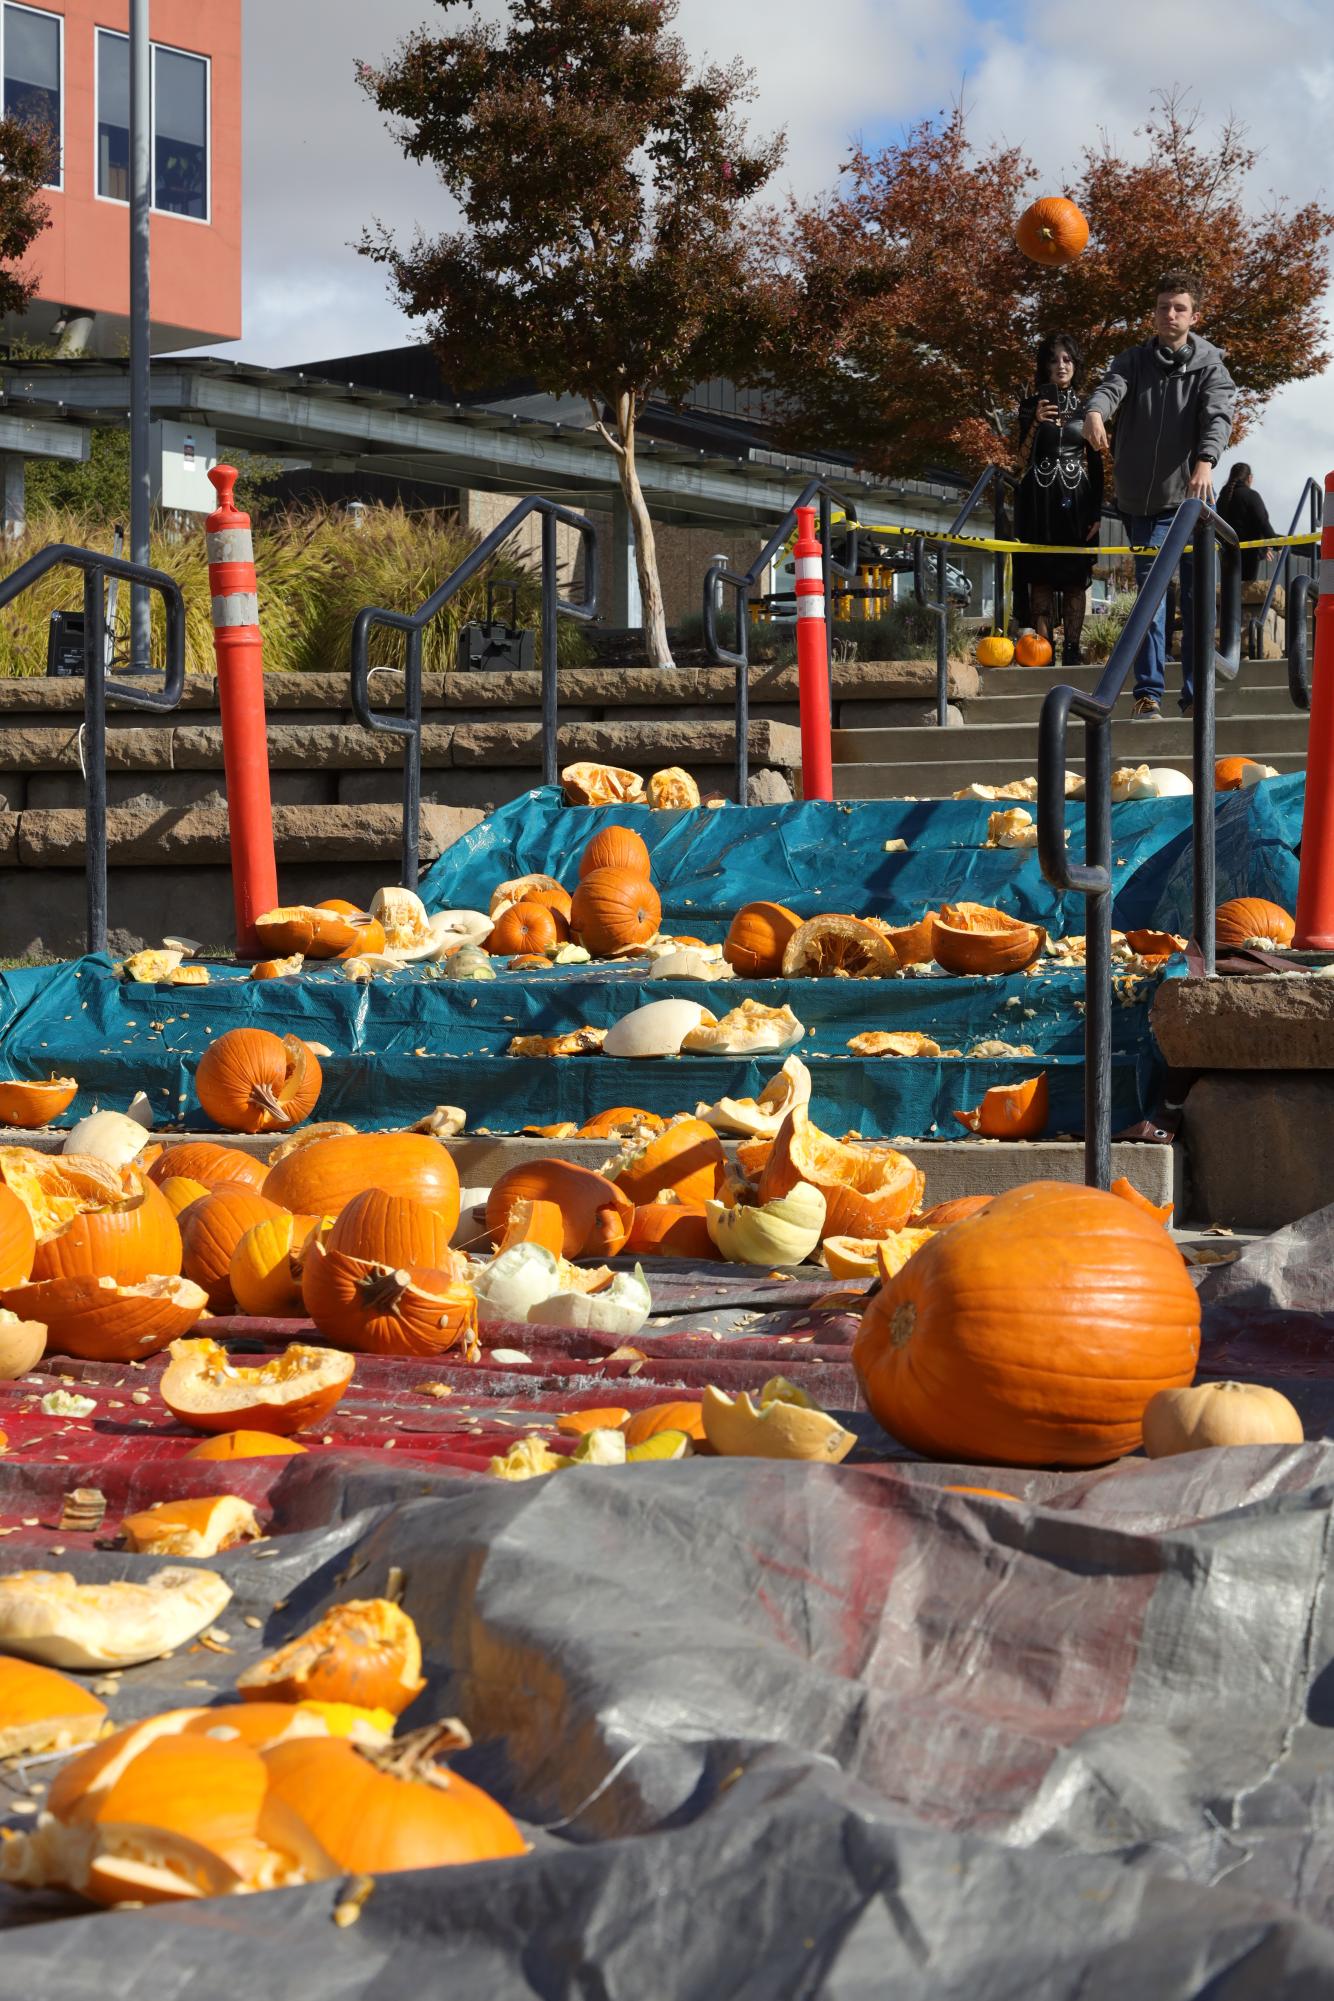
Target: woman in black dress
(1060,494)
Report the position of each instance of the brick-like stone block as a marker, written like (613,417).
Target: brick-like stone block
(1260,1146)
(1246,1024)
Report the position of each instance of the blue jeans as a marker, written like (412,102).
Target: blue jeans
(1151,660)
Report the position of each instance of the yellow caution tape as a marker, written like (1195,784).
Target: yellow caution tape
(1093,550)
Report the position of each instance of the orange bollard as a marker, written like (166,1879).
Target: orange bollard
(245,744)
(1315,888)
(817,756)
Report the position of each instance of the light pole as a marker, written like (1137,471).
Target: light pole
(141,191)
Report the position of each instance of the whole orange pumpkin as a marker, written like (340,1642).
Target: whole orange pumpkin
(1052,231)
(616,847)
(1031,1334)
(757,939)
(1245,917)
(612,909)
(1032,650)
(254,1082)
(527,927)
(322,1178)
(203,1160)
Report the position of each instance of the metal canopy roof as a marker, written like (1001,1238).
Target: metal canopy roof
(345,427)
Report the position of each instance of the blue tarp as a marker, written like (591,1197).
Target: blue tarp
(412,1040)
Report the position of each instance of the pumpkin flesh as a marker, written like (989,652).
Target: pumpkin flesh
(869,1190)
(204,1388)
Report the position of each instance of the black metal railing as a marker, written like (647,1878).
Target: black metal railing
(1312,504)
(996,478)
(1296,634)
(1198,525)
(97,690)
(744,581)
(413,624)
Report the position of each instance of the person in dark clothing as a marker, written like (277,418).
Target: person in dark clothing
(1171,400)
(1242,508)
(1060,495)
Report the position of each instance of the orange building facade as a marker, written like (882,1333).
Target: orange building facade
(66,63)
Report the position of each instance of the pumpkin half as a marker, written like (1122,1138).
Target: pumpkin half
(204,1388)
(1031,1334)
(1010,1111)
(92,1219)
(974,938)
(597,1213)
(868,1190)
(101,1321)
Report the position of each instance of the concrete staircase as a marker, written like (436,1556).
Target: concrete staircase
(998,737)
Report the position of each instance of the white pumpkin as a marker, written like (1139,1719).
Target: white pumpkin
(450,927)
(402,914)
(782,1232)
(621,1309)
(657,1029)
(515,1281)
(110,1136)
(48,1616)
(760,1118)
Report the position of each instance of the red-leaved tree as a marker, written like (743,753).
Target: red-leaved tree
(603,182)
(27,160)
(905,319)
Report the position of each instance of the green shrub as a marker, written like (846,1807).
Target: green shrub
(316,569)
(1103,628)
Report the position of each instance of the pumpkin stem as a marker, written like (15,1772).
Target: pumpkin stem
(381,1290)
(269,1101)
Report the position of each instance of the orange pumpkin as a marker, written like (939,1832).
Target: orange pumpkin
(211,1229)
(385,1281)
(321,1178)
(1032,650)
(178,1193)
(527,927)
(332,930)
(946,1213)
(619,1121)
(1010,1111)
(397,1808)
(914,944)
(974,938)
(616,847)
(597,1213)
(201,1160)
(101,1321)
(656,1417)
(868,1190)
(687,1158)
(757,939)
(613,909)
(41,1710)
(266,1266)
(1032,1334)
(1231,774)
(245,1445)
(534,1222)
(670,1230)
(1245,917)
(994,650)
(553,897)
(92,1219)
(254,1082)
(31,1105)
(1154,944)
(210,1390)
(18,1240)
(365,1651)
(1129,1193)
(1052,231)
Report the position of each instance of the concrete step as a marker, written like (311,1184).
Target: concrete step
(1137,742)
(1028,680)
(952,1167)
(1234,698)
(923,780)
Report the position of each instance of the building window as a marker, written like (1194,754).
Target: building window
(113,116)
(180,133)
(179,126)
(32,71)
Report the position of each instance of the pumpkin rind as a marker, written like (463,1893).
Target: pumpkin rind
(597,1213)
(364,1651)
(100,1321)
(757,939)
(30,1105)
(687,1158)
(320,1179)
(868,1190)
(1010,1111)
(1032,1334)
(975,938)
(205,1387)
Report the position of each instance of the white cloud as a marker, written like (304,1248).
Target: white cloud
(320,164)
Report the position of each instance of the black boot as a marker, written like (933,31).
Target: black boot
(1071,655)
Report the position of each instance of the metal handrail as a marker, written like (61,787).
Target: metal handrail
(96,568)
(409,724)
(1312,499)
(1300,590)
(1197,524)
(995,477)
(743,581)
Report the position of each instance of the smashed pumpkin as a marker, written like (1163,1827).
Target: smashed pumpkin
(868,1190)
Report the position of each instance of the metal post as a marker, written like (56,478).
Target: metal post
(942,644)
(742,732)
(1098,958)
(999,621)
(141,190)
(550,760)
(1203,583)
(95,760)
(826,526)
(412,757)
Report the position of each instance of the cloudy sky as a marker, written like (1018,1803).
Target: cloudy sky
(319,162)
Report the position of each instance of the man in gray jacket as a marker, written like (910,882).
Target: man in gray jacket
(1171,400)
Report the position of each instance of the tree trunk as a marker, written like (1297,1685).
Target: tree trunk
(646,549)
